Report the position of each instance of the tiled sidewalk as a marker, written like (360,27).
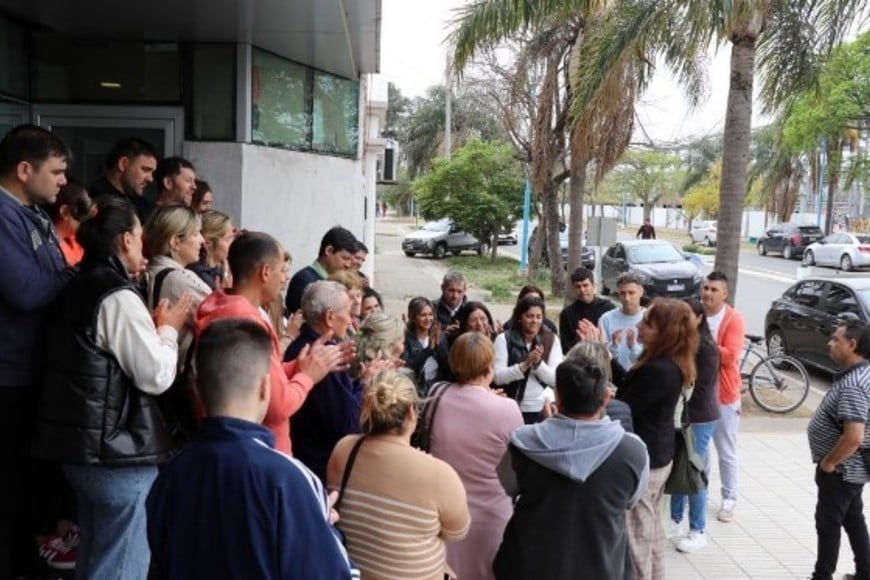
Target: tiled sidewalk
(773,535)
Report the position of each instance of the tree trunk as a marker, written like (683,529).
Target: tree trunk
(575,220)
(735,155)
(551,213)
(537,246)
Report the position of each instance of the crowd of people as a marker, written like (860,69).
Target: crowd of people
(175,404)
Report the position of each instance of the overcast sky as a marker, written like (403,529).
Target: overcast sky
(413,57)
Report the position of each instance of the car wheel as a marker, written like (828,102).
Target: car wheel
(809,258)
(455,252)
(788,252)
(440,251)
(846,263)
(482,249)
(776,343)
(762,251)
(410,254)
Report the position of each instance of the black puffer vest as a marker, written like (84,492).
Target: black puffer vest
(90,412)
(517,353)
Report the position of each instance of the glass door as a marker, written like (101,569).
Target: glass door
(91,131)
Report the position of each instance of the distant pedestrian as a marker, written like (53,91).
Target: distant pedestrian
(839,442)
(646,231)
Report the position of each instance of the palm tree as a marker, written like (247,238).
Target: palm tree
(787,36)
(600,128)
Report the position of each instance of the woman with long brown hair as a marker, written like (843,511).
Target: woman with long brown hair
(669,334)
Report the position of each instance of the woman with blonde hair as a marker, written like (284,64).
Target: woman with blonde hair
(380,336)
(172,240)
(669,334)
(471,431)
(398,505)
(218,233)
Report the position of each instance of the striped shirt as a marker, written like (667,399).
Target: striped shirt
(847,401)
(399,507)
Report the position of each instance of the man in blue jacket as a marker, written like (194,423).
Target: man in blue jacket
(32,166)
(332,408)
(230,506)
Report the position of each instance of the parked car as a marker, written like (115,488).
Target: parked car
(511,236)
(587,256)
(790,240)
(665,270)
(801,321)
(843,250)
(704,233)
(439,237)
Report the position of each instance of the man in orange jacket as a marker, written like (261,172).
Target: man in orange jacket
(259,273)
(727,327)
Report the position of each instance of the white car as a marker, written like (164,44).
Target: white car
(843,250)
(704,233)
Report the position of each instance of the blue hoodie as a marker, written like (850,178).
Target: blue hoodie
(230,506)
(34,273)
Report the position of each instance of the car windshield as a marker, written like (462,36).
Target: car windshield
(810,230)
(653,253)
(864,297)
(436,227)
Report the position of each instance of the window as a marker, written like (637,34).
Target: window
(841,300)
(335,114)
(809,293)
(13,59)
(95,71)
(211,112)
(297,107)
(280,96)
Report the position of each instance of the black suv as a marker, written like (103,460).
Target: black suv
(790,240)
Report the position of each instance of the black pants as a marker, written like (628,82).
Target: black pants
(839,505)
(17,547)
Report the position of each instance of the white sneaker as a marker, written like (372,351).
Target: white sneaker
(726,512)
(692,542)
(675,530)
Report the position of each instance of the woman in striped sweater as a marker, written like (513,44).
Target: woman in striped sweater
(397,504)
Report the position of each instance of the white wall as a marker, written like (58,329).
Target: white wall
(291,195)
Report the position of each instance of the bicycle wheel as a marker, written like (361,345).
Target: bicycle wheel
(779,384)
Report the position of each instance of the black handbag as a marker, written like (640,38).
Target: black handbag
(687,475)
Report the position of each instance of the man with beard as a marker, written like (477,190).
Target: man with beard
(130,168)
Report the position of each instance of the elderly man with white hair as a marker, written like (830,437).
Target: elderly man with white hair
(331,410)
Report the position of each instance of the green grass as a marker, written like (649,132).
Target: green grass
(501,278)
(699,249)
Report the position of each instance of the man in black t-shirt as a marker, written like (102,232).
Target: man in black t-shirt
(579,320)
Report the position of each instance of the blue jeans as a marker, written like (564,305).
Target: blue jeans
(702,433)
(111,513)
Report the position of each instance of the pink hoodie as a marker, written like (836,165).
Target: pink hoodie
(289,387)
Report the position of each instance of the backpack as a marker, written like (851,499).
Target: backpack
(421,438)
(177,402)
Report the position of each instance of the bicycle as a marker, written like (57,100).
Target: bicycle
(778,383)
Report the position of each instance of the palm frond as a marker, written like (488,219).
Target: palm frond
(486,22)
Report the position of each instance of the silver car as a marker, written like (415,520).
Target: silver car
(704,233)
(843,250)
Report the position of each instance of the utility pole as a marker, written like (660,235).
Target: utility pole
(448,108)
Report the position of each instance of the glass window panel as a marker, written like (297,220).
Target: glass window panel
(13,59)
(280,115)
(335,114)
(67,70)
(212,114)
(12,115)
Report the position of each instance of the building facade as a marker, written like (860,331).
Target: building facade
(276,102)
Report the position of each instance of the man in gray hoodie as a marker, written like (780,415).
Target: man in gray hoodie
(573,476)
